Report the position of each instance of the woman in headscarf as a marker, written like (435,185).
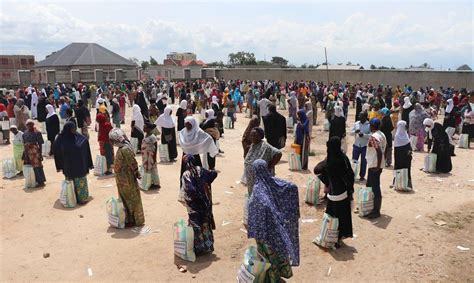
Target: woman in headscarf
(416,118)
(302,137)
(273,219)
(403,150)
(275,128)
(292,106)
(468,122)
(246,137)
(449,115)
(337,126)
(72,155)
(442,148)
(126,175)
(153,110)
(105,146)
(52,126)
(386,128)
(141,102)
(42,111)
(116,113)
(18,148)
(395,111)
(149,152)
(359,102)
(167,126)
(21,114)
(259,150)
(123,107)
(137,125)
(181,114)
(33,140)
(406,109)
(429,123)
(210,126)
(193,140)
(196,187)
(336,173)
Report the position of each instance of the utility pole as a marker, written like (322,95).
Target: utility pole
(327,67)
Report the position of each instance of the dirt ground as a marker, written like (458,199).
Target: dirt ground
(403,245)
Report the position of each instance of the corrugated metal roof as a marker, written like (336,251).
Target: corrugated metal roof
(80,54)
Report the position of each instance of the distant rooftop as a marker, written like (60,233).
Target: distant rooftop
(340,67)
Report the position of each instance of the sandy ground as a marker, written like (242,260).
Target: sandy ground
(404,245)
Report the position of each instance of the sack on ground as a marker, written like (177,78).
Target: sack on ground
(401,180)
(134,143)
(365,201)
(329,232)
(227,122)
(30,178)
(46,148)
(326,125)
(313,187)
(289,122)
(115,212)
(184,241)
(254,267)
(430,163)
(67,196)
(464,141)
(9,168)
(356,168)
(5,124)
(100,166)
(295,161)
(163,152)
(149,179)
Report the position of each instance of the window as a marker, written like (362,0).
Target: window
(23,61)
(31,61)
(4,61)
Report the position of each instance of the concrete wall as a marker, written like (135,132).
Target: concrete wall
(457,79)
(86,73)
(173,72)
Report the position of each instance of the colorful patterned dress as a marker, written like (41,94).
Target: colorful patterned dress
(150,169)
(32,154)
(126,172)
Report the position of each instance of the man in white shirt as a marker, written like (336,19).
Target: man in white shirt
(361,131)
(263,105)
(375,160)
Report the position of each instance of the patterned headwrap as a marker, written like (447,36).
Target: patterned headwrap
(119,138)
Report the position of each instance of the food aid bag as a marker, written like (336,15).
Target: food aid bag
(46,148)
(134,143)
(30,178)
(183,241)
(463,141)
(163,152)
(313,187)
(149,179)
(227,122)
(289,122)
(254,267)
(329,232)
(245,217)
(43,128)
(294,161)
(9,168)
(67,196)
(401,180)
(100,166)
(5,125)
(326,125)
(356,168)
(430,163)
(115,212)
(365,201)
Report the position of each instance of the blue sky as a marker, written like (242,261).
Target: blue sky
(390,33)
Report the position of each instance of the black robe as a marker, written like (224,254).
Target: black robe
(42,112)
(52,127)
(211,161)
(275,129)
(168,137)
(442,148)
(403,159)
(337,127)
(141,101)
(180,114)
(386,128)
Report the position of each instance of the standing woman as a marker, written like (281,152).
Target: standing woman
(337,127)
(149,151)
(406,109)
(442,148)
(181,114)
(292,106)
(72,155)
(336,173)
(126,175)
(33,140)
(116,113)
(137,125)
(246,137)
(52,126)
(303,138)
(403,150)
(196,186)
(105,146)
(386,128)
(417,116)
(21,114)
(42,112)
(167,128)
(359,102)
(273,222)
(210,126)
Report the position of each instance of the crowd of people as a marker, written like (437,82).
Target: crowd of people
(386,118)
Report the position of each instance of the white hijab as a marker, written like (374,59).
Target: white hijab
(51,111)
(450,106)
(401,135)
(196,141)
(214,100)
(338,112)
(138,117)
(165,120)
(428,123)
(210,115)
(406,103)
(183,104)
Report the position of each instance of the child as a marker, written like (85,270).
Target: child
(18,148)
(230,111)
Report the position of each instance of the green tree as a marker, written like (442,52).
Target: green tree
(373,67)
(279,61)
(153,61)
(134,60)
(242,58)
(304,66)
(145,65)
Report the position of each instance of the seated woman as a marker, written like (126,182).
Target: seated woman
(72,155)
(259,150)
(442,148)
(196,187)
(336,173)
(273,221)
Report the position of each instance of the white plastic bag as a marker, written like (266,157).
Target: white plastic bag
(67,196)
(9,168)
